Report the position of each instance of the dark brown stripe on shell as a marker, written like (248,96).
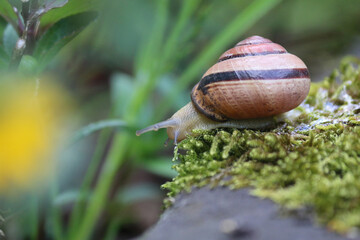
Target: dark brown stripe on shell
(240,55)
(253,75)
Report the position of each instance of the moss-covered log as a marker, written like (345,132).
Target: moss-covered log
(311,159)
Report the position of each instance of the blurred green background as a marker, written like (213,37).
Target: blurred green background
(133,66)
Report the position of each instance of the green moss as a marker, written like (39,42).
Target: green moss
(312,157)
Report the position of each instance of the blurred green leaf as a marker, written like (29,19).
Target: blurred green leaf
(67,197)
(10,38)
(121,13)
(42,6)
(121,90)
(173,41)
(132,194)
(55,214)
(3,25)
(50,4)
(15,3)
(6,10)
(46,5)
(28,65)
(60,34)
(71,8)
(160,166)
(95,163)
(148,69)
(89,129)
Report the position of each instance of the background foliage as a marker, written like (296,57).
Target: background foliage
(125,65)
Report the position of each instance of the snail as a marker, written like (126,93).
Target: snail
(249,85)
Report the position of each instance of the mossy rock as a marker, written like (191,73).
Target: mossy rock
(310,159)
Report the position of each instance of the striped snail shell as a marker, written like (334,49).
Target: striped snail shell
(250,83)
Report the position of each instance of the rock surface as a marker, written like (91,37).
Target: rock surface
(223,214)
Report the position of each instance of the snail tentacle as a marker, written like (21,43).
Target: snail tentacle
(157,126)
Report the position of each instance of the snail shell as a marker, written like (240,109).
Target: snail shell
(250,83)
(256,78)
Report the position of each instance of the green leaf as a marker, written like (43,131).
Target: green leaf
(71,8)
(3,25)
(10,38)
(160,166)
(47,5)
(15,3)
(93,127)
(28,65)
(60,34)
(50,4)
(6,10)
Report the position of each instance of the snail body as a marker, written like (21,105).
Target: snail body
(251,82)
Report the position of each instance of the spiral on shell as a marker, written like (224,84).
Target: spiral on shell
(257,78)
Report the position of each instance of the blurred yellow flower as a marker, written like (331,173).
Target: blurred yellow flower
(30,115)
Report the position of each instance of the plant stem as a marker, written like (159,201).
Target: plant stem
(148,69)
(32,25)
(151,48)
(25,10)
(80,204)
(114,160)
(114,226)
(172,43)
(26,42)
(31,32)
(34,201)
(18,53)
(55,213)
